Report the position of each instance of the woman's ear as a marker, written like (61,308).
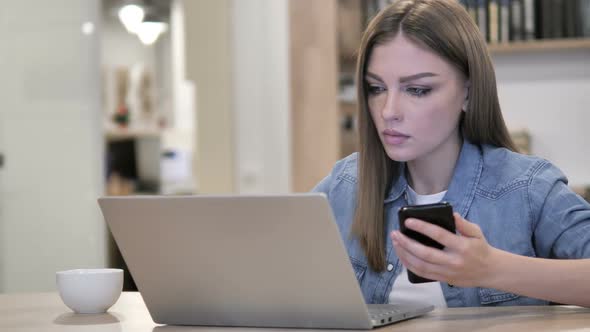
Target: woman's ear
(466,100)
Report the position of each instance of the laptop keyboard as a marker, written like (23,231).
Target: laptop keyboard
(378,311)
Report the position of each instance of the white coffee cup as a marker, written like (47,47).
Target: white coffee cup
(90,291)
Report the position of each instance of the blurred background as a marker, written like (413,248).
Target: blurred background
(179,97)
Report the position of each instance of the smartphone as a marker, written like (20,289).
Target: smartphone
(440,214)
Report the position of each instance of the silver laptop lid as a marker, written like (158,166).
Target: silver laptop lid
(268,261)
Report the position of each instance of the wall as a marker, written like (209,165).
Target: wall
(266,120)
(209,66)
(50,128)
(163,61)
(315,117)
(549,93)
(260,30)
(182,91)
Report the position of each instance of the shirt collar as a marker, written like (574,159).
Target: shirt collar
(465,178)
(399,187)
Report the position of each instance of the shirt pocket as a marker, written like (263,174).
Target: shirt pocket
(494,297)
(359,269)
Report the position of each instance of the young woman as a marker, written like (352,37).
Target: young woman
(430,130)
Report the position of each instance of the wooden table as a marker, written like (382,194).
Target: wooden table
(46,312)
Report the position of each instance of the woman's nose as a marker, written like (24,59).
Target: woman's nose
(391,110)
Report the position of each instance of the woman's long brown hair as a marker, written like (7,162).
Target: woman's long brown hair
(446,28)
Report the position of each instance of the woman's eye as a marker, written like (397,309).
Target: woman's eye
(418,92)
(375,89)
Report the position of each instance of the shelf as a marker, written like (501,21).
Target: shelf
(540,45)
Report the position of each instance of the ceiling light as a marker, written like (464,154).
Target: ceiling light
(151,28)
(149,32)
(131,16)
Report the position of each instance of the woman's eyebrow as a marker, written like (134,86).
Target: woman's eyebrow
(404,79)
(373,76)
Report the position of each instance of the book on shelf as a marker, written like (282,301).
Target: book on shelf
(516,20)
(494,17)
(471,6)
(549,19)
(482,18)
(529,20)
(570,24)
(501,21)
(558,19)
(542,19)
(584,17)
(504,23)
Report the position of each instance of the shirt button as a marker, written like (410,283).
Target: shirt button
(389,267)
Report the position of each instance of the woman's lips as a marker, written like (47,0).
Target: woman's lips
(393,137)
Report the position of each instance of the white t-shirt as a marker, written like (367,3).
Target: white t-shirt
(403,289)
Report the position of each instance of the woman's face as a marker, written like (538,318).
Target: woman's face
(415,99)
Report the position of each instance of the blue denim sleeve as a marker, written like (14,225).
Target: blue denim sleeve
(328,183)
(561,218)
(324,185)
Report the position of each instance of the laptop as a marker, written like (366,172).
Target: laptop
(256,261)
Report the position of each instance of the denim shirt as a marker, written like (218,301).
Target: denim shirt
(522,204)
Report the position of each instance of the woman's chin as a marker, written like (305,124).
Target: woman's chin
(400,156)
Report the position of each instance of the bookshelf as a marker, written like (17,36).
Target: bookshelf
(540,45)
(518,25)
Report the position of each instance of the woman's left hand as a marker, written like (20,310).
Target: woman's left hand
(465,260)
